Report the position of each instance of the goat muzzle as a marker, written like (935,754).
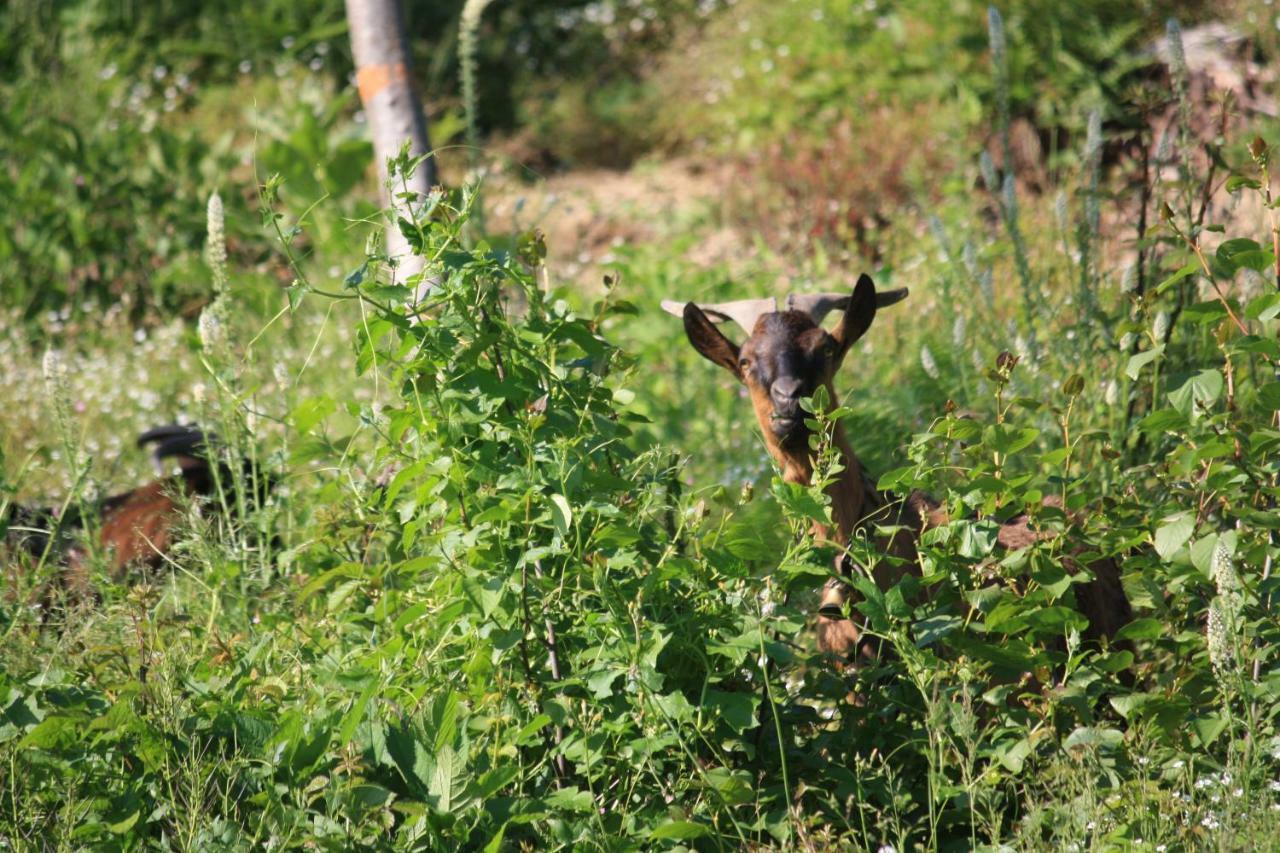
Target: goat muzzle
(835,594)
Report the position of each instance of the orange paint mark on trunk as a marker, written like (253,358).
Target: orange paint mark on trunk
(372,79)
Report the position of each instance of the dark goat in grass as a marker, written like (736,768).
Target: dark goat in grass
(787,357)
(135,530)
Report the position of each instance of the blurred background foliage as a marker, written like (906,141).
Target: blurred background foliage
(120,117)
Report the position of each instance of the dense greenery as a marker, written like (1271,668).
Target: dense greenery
(528,578)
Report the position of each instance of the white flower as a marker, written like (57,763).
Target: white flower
(927,362)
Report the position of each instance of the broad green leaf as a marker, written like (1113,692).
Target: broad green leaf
(1097,737)
(1207,729)
(1141,360)
(1190,268)
(444,786)
(679,829)
(561,514)
(1197,394)
(1173,533)
(736,709)
(930,630)
(1145,628)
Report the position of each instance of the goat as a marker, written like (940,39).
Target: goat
(788,356)
(135,530)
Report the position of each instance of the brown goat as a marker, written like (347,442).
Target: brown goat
(787,357)
(135,529)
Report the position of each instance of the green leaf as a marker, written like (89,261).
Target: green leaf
(1197,394)
(1173,533)
(1140,629)
(736,709)
(929,631)
(571,798)
(123,826)
(1235,183)
(561,514)
(1007,439)
(1269,396)
(1013,754)
(444,786)
(1242,252)
(1190,268)
(1098,737)
(1207,729)
(310,412)
(679,829)
(1265,307)
(733,785)
(1141,360)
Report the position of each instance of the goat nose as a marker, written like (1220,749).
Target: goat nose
(786,391)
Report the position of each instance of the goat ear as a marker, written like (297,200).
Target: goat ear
(708,340)
(857,315)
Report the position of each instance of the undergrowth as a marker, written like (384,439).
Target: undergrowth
(528,581)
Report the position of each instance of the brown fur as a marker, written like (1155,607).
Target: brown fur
(787,350)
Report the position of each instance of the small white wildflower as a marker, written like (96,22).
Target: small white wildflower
(987,286)
(1274,785)
(159,72)
(1022,349)
(245,66)
(212,333)
(287,42)
(216,242)
(1111,392)
(1203,782)
(927,362)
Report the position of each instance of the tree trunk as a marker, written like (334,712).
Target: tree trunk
(384,76)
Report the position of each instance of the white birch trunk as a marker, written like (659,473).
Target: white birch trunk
(385,80)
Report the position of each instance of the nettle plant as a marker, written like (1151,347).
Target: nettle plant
(1006,686)
(563,632)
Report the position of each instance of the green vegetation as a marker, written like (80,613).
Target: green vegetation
(528,578)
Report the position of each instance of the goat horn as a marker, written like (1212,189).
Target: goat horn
(819,305)
(744,312)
